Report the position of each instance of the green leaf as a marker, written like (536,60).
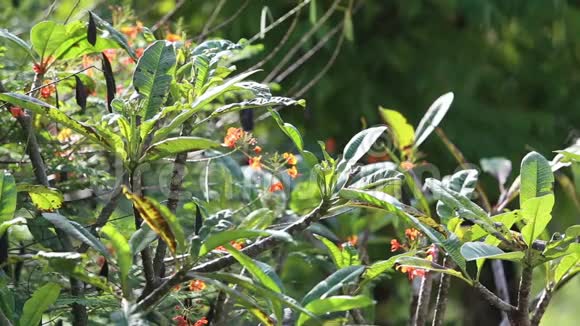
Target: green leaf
(45,199)
(537,213)
(432,118)
(7,196)
(4,33)
(288,129)
(360,144)
(462,182)
(124,256)
(480,250)
(312,12)
(537,178)
(379,267)
(115,35)
(4,226)
(160,219)
(215,240)
(335,252)
(77,231)
(334,304)
(141,239)
(259,275)
(421,263)
(153,76)
(200,103)
(173,146)
(46,37)
(37,106)
(333,283)
(565,265)
(499,167)
(402,131)
(41,300)
(348,29)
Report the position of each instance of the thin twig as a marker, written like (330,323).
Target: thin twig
(167,16)
(424,299)
(279,21)
(301,42)
(210,20)
(229,19)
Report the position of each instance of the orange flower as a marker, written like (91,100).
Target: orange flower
(406,165)
(17,112)
(395,245)
(177,288)
(237,245)
(196,285)
(257,149)
(290,158)
(412,234)
(293,172)
(353,240)
(139,52)
(330,145)
(201,322)
(376,159)
(46,91)
(132,31)
(232,136)
(411,272)
(255,162)
(276,187)
(173,37)
(221,248)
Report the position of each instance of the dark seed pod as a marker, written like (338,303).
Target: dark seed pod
(247,119)
(104,272)
(110,81)
(81,93)
(92,30)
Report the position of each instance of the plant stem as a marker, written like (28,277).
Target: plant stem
(500,283)
(172,201)
(493,299)
(424,299)
(442,294)
(521,317)
(147,260)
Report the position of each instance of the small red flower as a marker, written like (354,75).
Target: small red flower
(406,165)
(181,320)
(201,322)
(17,112)
(395,245)
(46,91)
(173,37)
(276,187)
(257,149)
(330,145)
(411,272)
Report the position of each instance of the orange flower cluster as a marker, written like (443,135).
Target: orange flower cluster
(350,241)
(181,320)
(197,285)
(172,37)
(292,161)
(232,137)
(255,162)
(132,31)
(41,67)
(412,235)
(46,91)
(201,322)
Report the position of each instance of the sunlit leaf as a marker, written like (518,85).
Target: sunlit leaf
(173,146)
(123,254)
(537,213)
(537,178)
(45,199)
(402,131)
(215,240)
(160,220)
(7,196)
(334,304)
(480,250)
(432,117)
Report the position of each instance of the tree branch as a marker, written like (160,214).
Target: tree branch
(493,299)
(442,294)
(541,306)
(217,264)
